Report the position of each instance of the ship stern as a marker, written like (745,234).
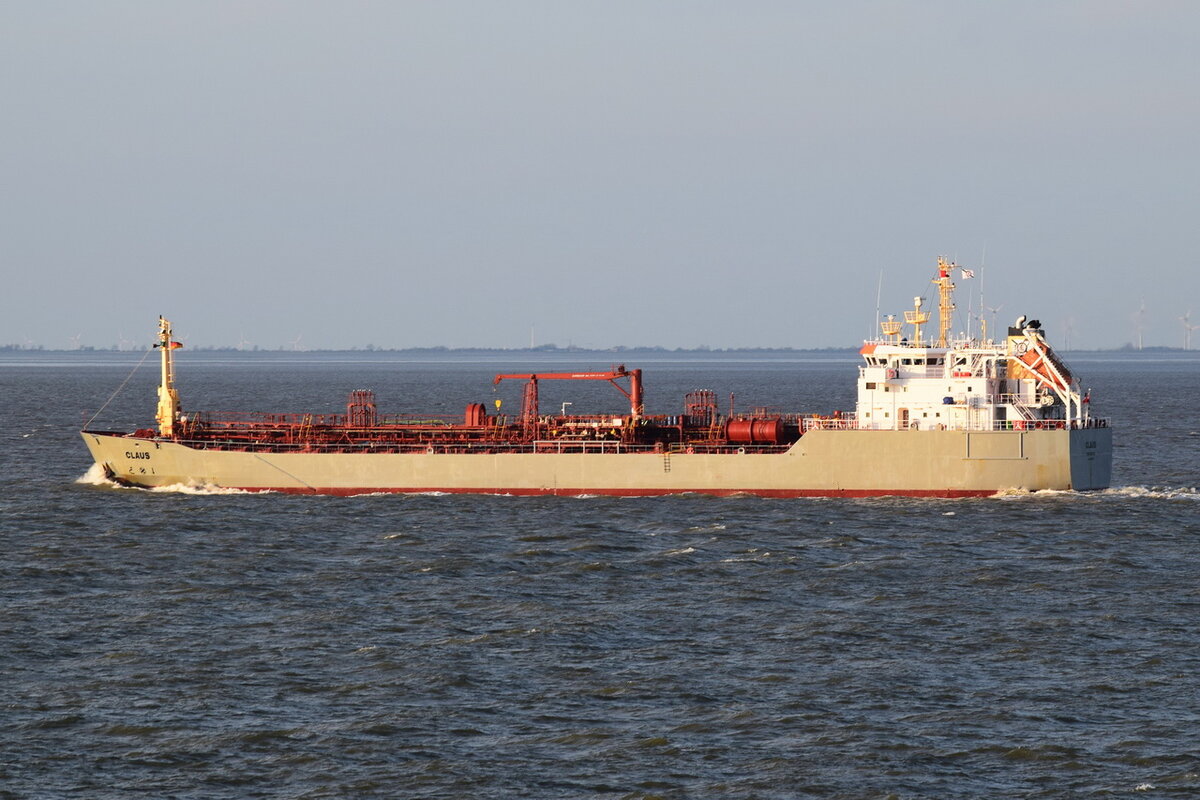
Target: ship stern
(1091,458)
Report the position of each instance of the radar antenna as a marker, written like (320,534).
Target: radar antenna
(891,328)
(916,318)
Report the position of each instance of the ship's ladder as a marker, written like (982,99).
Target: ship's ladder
(1025,411)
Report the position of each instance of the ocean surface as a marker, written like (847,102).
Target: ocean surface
(205,645)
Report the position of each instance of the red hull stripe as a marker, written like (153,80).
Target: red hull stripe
(346,492)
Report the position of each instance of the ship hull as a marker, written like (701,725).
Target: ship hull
(824,463)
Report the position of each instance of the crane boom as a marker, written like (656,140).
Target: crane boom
(633,393)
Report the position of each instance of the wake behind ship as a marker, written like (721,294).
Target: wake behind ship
(939,417)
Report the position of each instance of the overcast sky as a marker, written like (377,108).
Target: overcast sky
(397,174)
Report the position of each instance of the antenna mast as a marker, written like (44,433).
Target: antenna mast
(878,297)
(982,308)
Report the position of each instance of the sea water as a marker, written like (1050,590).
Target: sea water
(230,645)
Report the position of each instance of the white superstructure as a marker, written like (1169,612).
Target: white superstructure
(908,382)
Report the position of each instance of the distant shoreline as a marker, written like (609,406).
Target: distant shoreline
(547,350)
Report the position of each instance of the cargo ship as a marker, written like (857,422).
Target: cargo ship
(936,416)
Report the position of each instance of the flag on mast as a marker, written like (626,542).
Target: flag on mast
(966,273)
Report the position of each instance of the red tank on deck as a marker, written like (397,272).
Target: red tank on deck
(755,431)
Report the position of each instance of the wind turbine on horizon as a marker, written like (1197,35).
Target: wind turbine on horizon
(1188,327)
(1140,322)
(995,310)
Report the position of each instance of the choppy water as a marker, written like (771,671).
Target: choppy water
(196,646)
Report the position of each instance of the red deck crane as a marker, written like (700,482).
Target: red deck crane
(529,406)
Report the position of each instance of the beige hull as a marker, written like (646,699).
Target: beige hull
(822,463)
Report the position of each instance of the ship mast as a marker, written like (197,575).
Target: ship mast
(945,299)
(168,398)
